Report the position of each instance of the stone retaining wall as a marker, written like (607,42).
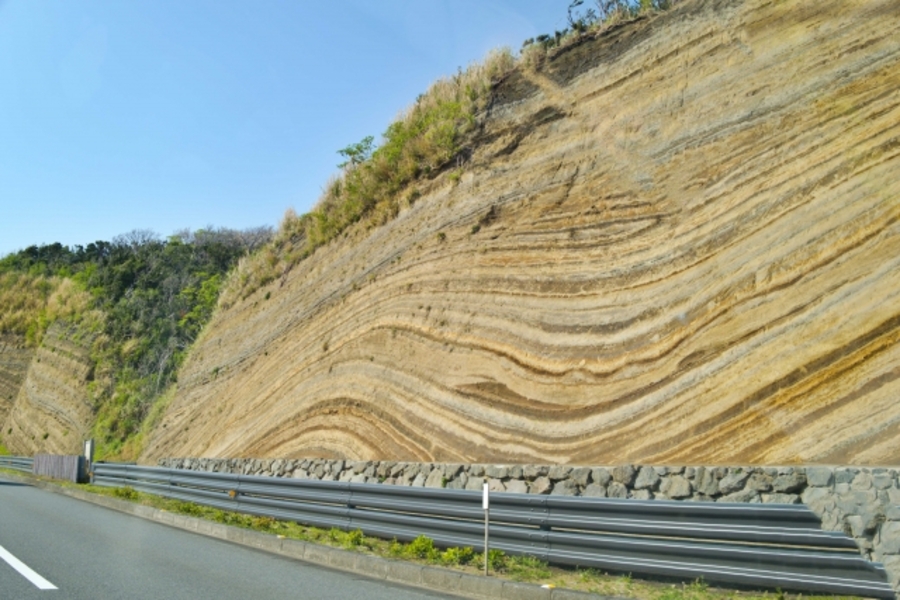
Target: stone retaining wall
(862,502)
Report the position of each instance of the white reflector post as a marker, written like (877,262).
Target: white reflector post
(486,506)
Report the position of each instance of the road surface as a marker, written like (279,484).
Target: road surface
(53,546)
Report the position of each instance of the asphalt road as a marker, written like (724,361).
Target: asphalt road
(89,552)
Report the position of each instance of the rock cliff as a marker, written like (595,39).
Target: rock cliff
(674,242)
(14,360)
(52,412)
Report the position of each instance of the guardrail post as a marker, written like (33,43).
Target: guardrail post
(89,459)
(486,505)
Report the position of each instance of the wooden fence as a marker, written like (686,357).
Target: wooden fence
(70,467)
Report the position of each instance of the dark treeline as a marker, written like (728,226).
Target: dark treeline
(154,296)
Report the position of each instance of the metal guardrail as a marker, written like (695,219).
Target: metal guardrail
(19,463)
(766,546)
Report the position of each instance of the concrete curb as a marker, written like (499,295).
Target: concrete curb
(396,571)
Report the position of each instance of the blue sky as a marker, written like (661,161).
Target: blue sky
(165,114)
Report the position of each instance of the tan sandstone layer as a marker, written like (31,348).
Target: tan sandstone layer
(686,251)
(15,357)
(52,411)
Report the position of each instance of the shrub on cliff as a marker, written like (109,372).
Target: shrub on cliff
(425,139)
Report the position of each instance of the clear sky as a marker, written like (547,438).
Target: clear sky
(166,114)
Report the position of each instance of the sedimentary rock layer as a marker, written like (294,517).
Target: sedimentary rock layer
(14,360)
(52,412)
(674,243)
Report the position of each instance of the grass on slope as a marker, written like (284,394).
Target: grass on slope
(431,137)
(426,139)
(32,301)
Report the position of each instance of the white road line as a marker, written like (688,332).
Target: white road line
(25,571)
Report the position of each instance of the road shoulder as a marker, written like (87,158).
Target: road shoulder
(412,574)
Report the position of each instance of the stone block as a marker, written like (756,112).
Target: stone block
(845,474)
(532,472)
(624,474)
(647,479)
(436,479)
(516,472)
(476,471)
(676,487)
(705,482)
(883,480)
(641,495)
(558,472)
(474,483)
(420,480)
(701,498)
(778,498)
(541,485)
(894,495)
(740,496)
(456,484)
(617,490)
(451,470)
(790,483)
(516,486)
(856,502)
(759,482)
(495,485)
(862,482)
(892,513)
(818,499)
(497,471)
(594,490)
(819,476)
(600,475)
(732,482)
(580,475)
(564,488)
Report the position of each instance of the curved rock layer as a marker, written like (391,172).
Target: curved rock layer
(15,357)
(675,243)
(52,411)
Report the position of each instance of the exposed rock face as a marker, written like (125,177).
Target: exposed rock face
(52,411)
(14,360)
(677,243)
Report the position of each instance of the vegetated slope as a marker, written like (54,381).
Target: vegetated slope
(677,242)
(91,337)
